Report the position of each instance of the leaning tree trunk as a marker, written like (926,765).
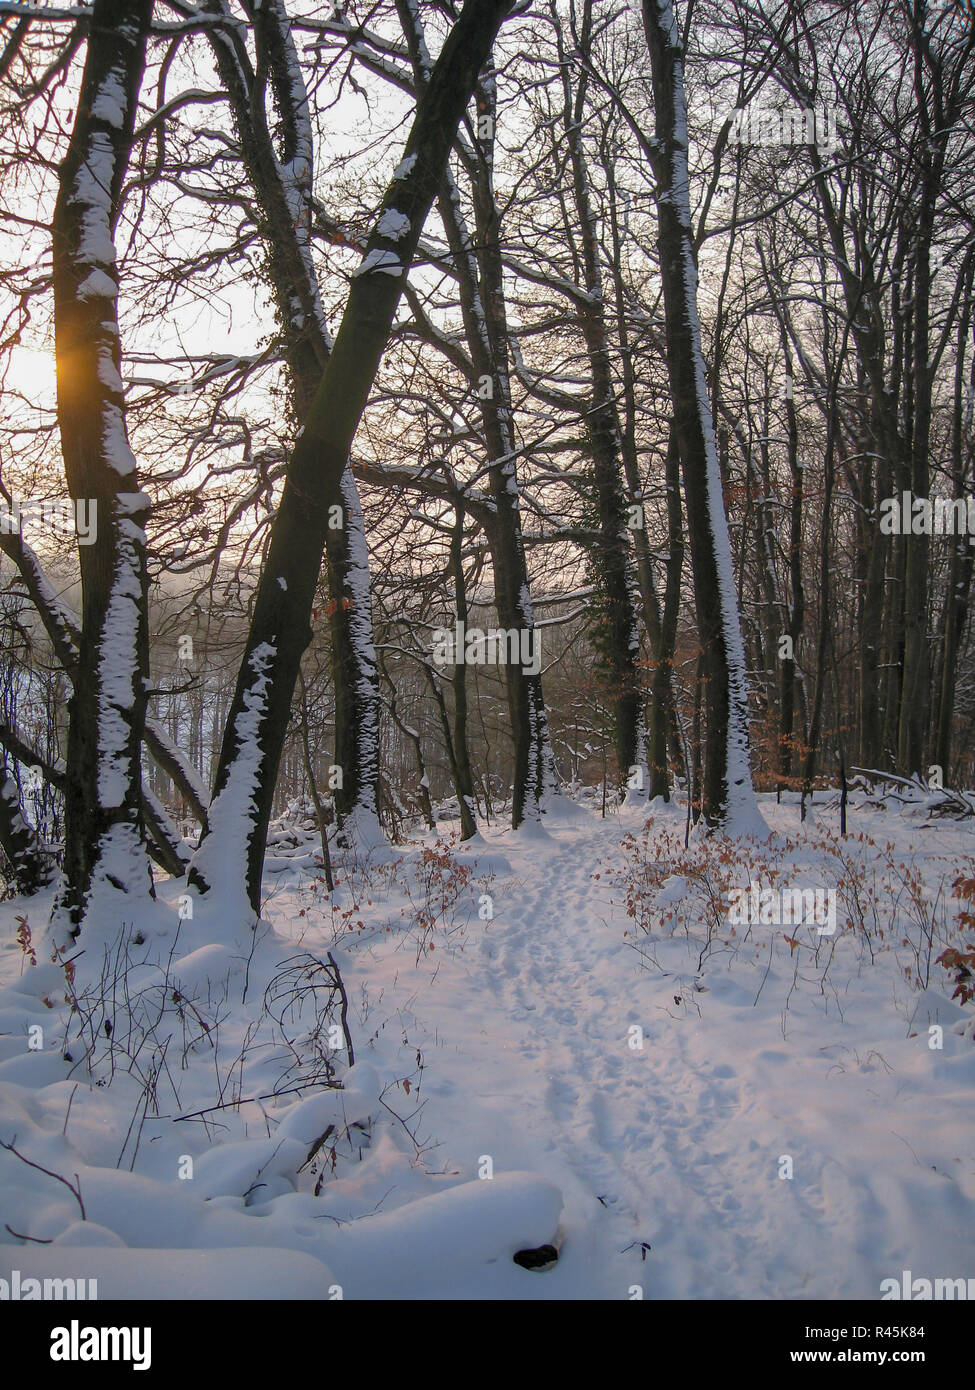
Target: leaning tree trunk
(282,177)
(728,796)
(105,865)
(233,851)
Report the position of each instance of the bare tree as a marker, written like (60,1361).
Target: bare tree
(104,835)
(728,796)
(232,851)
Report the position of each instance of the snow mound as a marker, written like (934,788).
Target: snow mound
(250,1165)
(204,967)
(437,1243)
(308,1120)
(90,1235)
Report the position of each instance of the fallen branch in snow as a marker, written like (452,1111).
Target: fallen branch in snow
(344,1008)
(298,985)
(38,1240)
(252,1100)
(938,801)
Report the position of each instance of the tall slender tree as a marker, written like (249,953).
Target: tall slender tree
(104,832)
(728,798)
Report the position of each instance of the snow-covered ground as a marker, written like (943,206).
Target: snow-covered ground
(684,1107)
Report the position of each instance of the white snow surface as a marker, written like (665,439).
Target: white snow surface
(394,225)
(259,1273)
(222,856)
(404,167)
(507,1049)
(382,261)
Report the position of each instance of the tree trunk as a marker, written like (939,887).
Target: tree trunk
(728,795)
(28,868)
(233,851)
(664,727)
(460,752)
(104,828)
(617,637)
(282,178)
(962,557)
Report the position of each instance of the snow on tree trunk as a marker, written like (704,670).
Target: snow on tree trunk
(64,631)
(27,866)
(728,796)
(106,871)
(282,176)
(357,688)
(313,493)
(222,859)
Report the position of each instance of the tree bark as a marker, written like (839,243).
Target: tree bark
(29,868)
(233,850)
(728,795)
(460,746)
(282,178)
(104,828)
(617,637)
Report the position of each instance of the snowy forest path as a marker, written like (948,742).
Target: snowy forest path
(615,1095)
(742,1127)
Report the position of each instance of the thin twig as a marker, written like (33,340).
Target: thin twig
(76,1191)
(345,1008)
(36,1239)
(251,1100)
